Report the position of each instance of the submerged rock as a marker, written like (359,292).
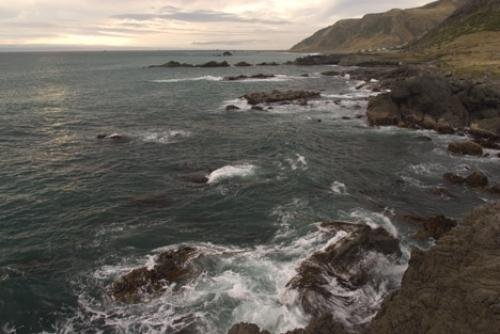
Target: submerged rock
(172,64)
(280,96)
(343,263)
(245,77)
(454,287)
(246,328)
(232,107)
(172,267)
(242,64)
(434,226)
(465,148)
(477,180)
(227,54)
(453,178)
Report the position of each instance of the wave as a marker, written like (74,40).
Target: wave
(231,171)
(164,136)
(299,162)
(203,78)
(339,188)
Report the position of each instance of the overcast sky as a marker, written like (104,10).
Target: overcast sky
(175,24)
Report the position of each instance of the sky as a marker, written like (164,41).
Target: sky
(174,24)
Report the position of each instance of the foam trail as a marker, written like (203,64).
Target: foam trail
(204,78)
(339,188)
(231,171)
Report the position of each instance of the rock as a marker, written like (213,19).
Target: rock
(382,111)
(279,96)
(172,267)
(465,148)
(101,136)
(346,118)
(245,77)
(172,64)
(257,108)
(321,325)
(232,107)
(494,189)
(454,287)
(453,178)
(305,75)
(242,64)
(198,177)
(342,262)
(487,143)
(268,64)
(444,129)
(215,64)
(476,180)
(432,227)
(424,138)
(302,102)
(246,328)
(227,54)
(318,60)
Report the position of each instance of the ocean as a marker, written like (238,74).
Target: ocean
(77,212)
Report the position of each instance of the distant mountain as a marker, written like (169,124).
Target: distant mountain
(391,29)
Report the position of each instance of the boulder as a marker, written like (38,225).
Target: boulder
(172,267)
(232,107)
(452,288)
(215,64)
(246,328)
(279,96)
(382,111)
(476,180)
(453,178)
(242,64)
(257,108)
(341,262)
(431,227)
(173,64)
(465,148)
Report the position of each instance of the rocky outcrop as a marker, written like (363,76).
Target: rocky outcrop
(341,262)
(280,96)
(246,328)
(215,64)
(476,179)
(227,54)
(465,148)
(242,64)
(268,64)
(232,107)
(172,64)
(454,287)
(421,98)
(172,267)
(259,76)
(431,227)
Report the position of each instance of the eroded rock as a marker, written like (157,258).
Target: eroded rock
(465,148)
(246,328)
(431,227)
(171,267)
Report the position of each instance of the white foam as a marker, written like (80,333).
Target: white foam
(163,136)
(231,171)
(203,78)
(375,220)
(299,162)
(339,188)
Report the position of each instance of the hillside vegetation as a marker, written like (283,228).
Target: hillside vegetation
(388,30)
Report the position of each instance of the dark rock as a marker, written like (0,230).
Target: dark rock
(232,107)
(279,96)
(434,226)
(476,180)
(171,267)
(245,77)
(101,136)
(242,64)
(453,178)
(494,189)
(465,148)
(215,64)
(318,60)
(268,64)
(424,138)
(321,325)
(172,64)
(257,108)
(341,262)
(246,328)
(454,287)
(198,177)
(382,111)
(487,143)
(305,75)
(227,54)
(345,118)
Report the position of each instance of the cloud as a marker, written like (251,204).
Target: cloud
(195,16)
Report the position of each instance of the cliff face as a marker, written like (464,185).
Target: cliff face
(384,30)
(454,287)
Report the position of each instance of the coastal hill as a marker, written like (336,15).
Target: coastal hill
(467,41)
(392,29)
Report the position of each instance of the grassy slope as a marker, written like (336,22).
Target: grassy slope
(390,29)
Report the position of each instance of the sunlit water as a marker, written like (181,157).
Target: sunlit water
(69,225)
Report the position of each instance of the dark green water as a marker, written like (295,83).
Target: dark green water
(70,222)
